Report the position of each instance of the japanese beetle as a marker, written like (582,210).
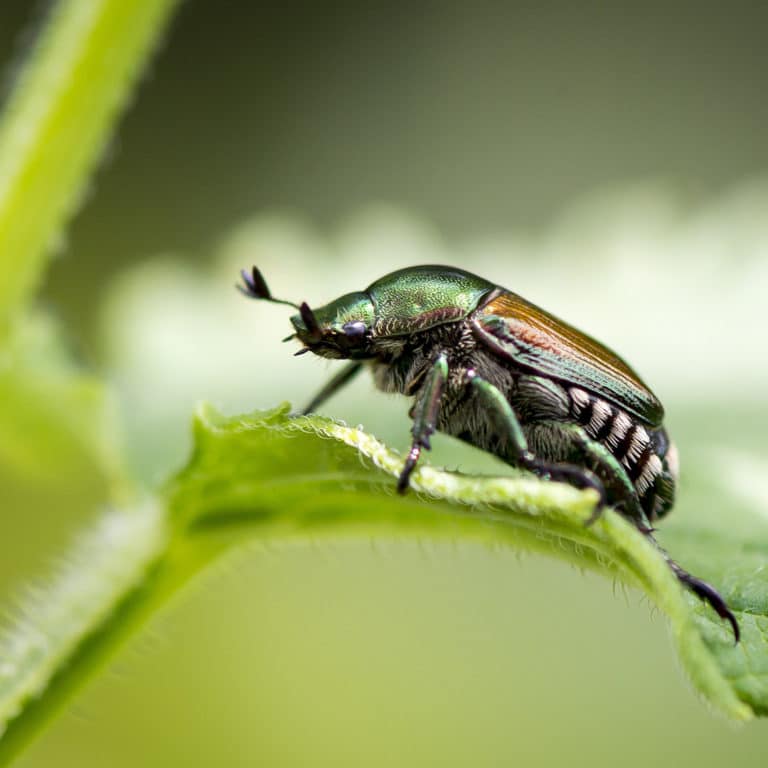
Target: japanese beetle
(492,369)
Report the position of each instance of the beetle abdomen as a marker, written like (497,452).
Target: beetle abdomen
(645,455)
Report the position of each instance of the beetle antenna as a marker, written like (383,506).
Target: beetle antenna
(256,288)
(313,327)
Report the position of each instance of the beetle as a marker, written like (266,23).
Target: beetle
(487,366)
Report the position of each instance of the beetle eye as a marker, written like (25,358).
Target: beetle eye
(354,330)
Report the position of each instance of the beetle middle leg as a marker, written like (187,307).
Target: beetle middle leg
(425,414)
(509,424)
(624,495)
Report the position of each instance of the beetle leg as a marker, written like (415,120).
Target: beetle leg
(510,424)
(425,412)
(345,375)
(612,467)
(702,590)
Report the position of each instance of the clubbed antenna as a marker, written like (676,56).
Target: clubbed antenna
(255,287)
(313,327)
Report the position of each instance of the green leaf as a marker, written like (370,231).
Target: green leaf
(311,474)
(269,474)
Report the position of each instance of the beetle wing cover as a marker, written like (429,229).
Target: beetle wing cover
(536,340)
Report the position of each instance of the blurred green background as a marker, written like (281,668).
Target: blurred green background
(607,162)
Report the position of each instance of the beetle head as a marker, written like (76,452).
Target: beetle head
(341,329)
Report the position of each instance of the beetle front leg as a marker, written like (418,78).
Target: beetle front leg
(510,424)
(344,376)
(425,413)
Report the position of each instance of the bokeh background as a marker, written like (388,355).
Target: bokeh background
(610,163)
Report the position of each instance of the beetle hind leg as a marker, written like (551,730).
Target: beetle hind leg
(702,589)
(624,496)
(579,477)
(509,425)
(708,594)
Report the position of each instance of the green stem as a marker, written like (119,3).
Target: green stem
(56,123)
(41,657)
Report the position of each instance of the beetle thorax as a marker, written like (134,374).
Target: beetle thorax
(401,362)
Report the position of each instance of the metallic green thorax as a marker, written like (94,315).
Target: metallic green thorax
(419,298)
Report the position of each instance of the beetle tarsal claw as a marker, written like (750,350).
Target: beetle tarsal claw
(703,590)
(596,514)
